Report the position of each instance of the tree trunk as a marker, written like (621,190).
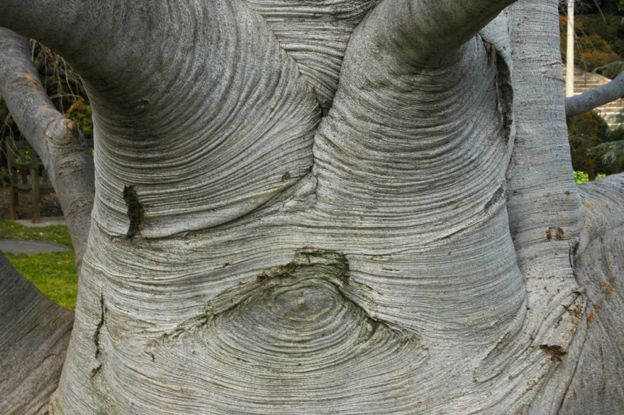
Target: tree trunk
(330,207)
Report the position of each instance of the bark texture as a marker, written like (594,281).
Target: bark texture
(261,192)
(392,232)
(34,334)
(56,140)
(544,207)
(598,377)
(604,94)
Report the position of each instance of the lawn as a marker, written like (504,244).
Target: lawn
(53,273)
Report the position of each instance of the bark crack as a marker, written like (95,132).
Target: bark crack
(136,212)
(97,334)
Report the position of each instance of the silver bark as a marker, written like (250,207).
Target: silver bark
(327,207)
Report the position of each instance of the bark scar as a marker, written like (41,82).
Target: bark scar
(555,352)
(136,212)
(96,335)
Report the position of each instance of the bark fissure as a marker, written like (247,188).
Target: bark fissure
(96,337)
(136,212)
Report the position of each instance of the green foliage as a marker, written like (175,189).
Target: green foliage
(611,153)
(580,177)
(54,273)
(599,39)
(593,51)
(80,113)
(586,131)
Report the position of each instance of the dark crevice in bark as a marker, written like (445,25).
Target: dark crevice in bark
(96,336)
(555,351)
(498,195)
(136,212)
(98,329)
(504,95)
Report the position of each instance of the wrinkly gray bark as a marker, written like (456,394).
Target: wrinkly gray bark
(56,140)
(34,333)
(326,207)
(596,386)
(589,100)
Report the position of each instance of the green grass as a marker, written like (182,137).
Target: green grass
(55,233)
(53,273)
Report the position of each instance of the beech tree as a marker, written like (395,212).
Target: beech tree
(314,207)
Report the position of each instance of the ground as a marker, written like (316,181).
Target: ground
(54,273)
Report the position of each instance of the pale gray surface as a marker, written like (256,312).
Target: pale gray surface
(392,232)
(34,333)
(29,247)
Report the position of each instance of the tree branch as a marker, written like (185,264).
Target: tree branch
(56,140)
(426,30)
(596,97)
(103,40)
(57,23)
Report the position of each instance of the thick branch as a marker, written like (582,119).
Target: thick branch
(103,40)
(57,23)
(596,97)
(425,30)
(56,140)
(34,334)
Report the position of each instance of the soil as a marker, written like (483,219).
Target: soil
(49,205)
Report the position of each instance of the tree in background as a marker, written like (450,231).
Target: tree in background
(599,47)
(63,87)
(317,207)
